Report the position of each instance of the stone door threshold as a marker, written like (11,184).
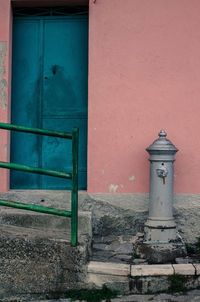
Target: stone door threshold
(119,269)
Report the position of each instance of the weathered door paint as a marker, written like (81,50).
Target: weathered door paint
(49,90)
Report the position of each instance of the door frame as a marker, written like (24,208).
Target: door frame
(49,3)
(82,115)
(39,3)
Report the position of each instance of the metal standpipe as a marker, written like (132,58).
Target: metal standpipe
(160,234)
(160,226)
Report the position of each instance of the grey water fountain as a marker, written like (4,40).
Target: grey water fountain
(162,243)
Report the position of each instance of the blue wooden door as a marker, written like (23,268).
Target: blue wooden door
(49,90)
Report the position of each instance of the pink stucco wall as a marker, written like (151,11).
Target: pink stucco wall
(144,75)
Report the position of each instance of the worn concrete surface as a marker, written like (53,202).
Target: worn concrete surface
(36,257)
(118,214)
(127,213)
(115,220)
(112,249)
(28,219)
(39,262)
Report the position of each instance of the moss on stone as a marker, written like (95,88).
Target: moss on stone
(92,295)
(193,248)
(177,283)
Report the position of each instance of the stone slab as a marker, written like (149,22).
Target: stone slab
(197,268)
(101,279)
(116,283)
(184,269)
(109,268)
(152,270)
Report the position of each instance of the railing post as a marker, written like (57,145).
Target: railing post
(74,194)
(74,176)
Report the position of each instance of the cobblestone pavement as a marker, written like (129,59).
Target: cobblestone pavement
(123,249)
(114,249)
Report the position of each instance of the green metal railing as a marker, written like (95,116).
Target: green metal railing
(73,175)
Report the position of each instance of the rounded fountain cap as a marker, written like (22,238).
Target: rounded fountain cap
(162,133)
(162,145)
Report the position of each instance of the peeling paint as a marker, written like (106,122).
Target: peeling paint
(132,178)
(3,82)
(113,188)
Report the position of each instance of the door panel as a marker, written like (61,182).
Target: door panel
(65,75)
(49,91)
(56,153)
(25,100)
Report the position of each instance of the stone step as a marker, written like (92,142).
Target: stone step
(39,262)
(119,269)
(29,219)
(127,278)
(36,257)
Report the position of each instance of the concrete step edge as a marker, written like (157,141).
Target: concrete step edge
(119,269)
(29,219)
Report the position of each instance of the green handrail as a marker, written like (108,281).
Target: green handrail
(14,166)
(73,175)
(35,130)
(34,208)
